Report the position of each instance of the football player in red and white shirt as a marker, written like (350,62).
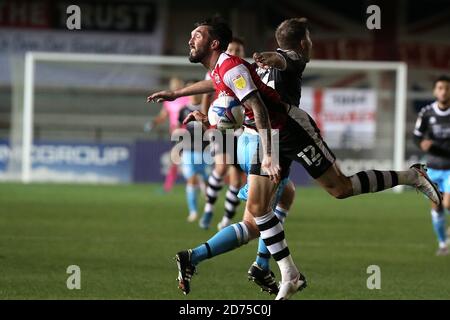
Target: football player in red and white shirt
(264,110)
(225,163)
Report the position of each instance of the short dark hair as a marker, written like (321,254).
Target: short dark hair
(218,30)
(238,41)
(290,32)
(441,78)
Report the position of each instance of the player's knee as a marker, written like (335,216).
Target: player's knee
(290,187)
(339,189)
(253,231)
(446,205)
(259,206)
(340,192)
(234,177)
(288,195)
(235,182)
(220,169)
(192,180)
(256,208)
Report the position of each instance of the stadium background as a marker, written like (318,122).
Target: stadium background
(99,114)
(104,107)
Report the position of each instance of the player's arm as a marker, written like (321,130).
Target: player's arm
(254,102)
(270,60)
(238,79)
(204,86)
(420,131)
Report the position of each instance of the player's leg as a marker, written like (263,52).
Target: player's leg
(438,213)
(314,154)
(189,173)
(235,180)
(248,159)
(282,206)
(287,199)
(171,177)
(272,233)
(231,197)
(270,227)
(192,189)
(225,240)
(438,220)
(341,186)
(213,187)
(260,272)
(446,203)
(258,209)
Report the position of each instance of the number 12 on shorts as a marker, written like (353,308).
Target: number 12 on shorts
(314,158)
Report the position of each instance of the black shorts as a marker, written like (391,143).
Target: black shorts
(299,140)
(229,147)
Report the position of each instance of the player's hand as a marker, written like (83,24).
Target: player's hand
(274,171)
(161,96)
(426,144)
(196,116)
(260,60)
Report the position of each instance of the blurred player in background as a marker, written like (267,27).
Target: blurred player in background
(432,135)
(194,167)
(170,111)
(222,166)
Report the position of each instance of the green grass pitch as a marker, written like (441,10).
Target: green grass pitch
(124,239)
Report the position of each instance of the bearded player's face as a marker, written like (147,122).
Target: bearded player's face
(442,91)
(199,44)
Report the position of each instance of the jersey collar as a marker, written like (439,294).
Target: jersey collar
(289,50)
(223,56)
(440,112)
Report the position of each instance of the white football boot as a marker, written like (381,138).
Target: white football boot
(289,288)
(425,185)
